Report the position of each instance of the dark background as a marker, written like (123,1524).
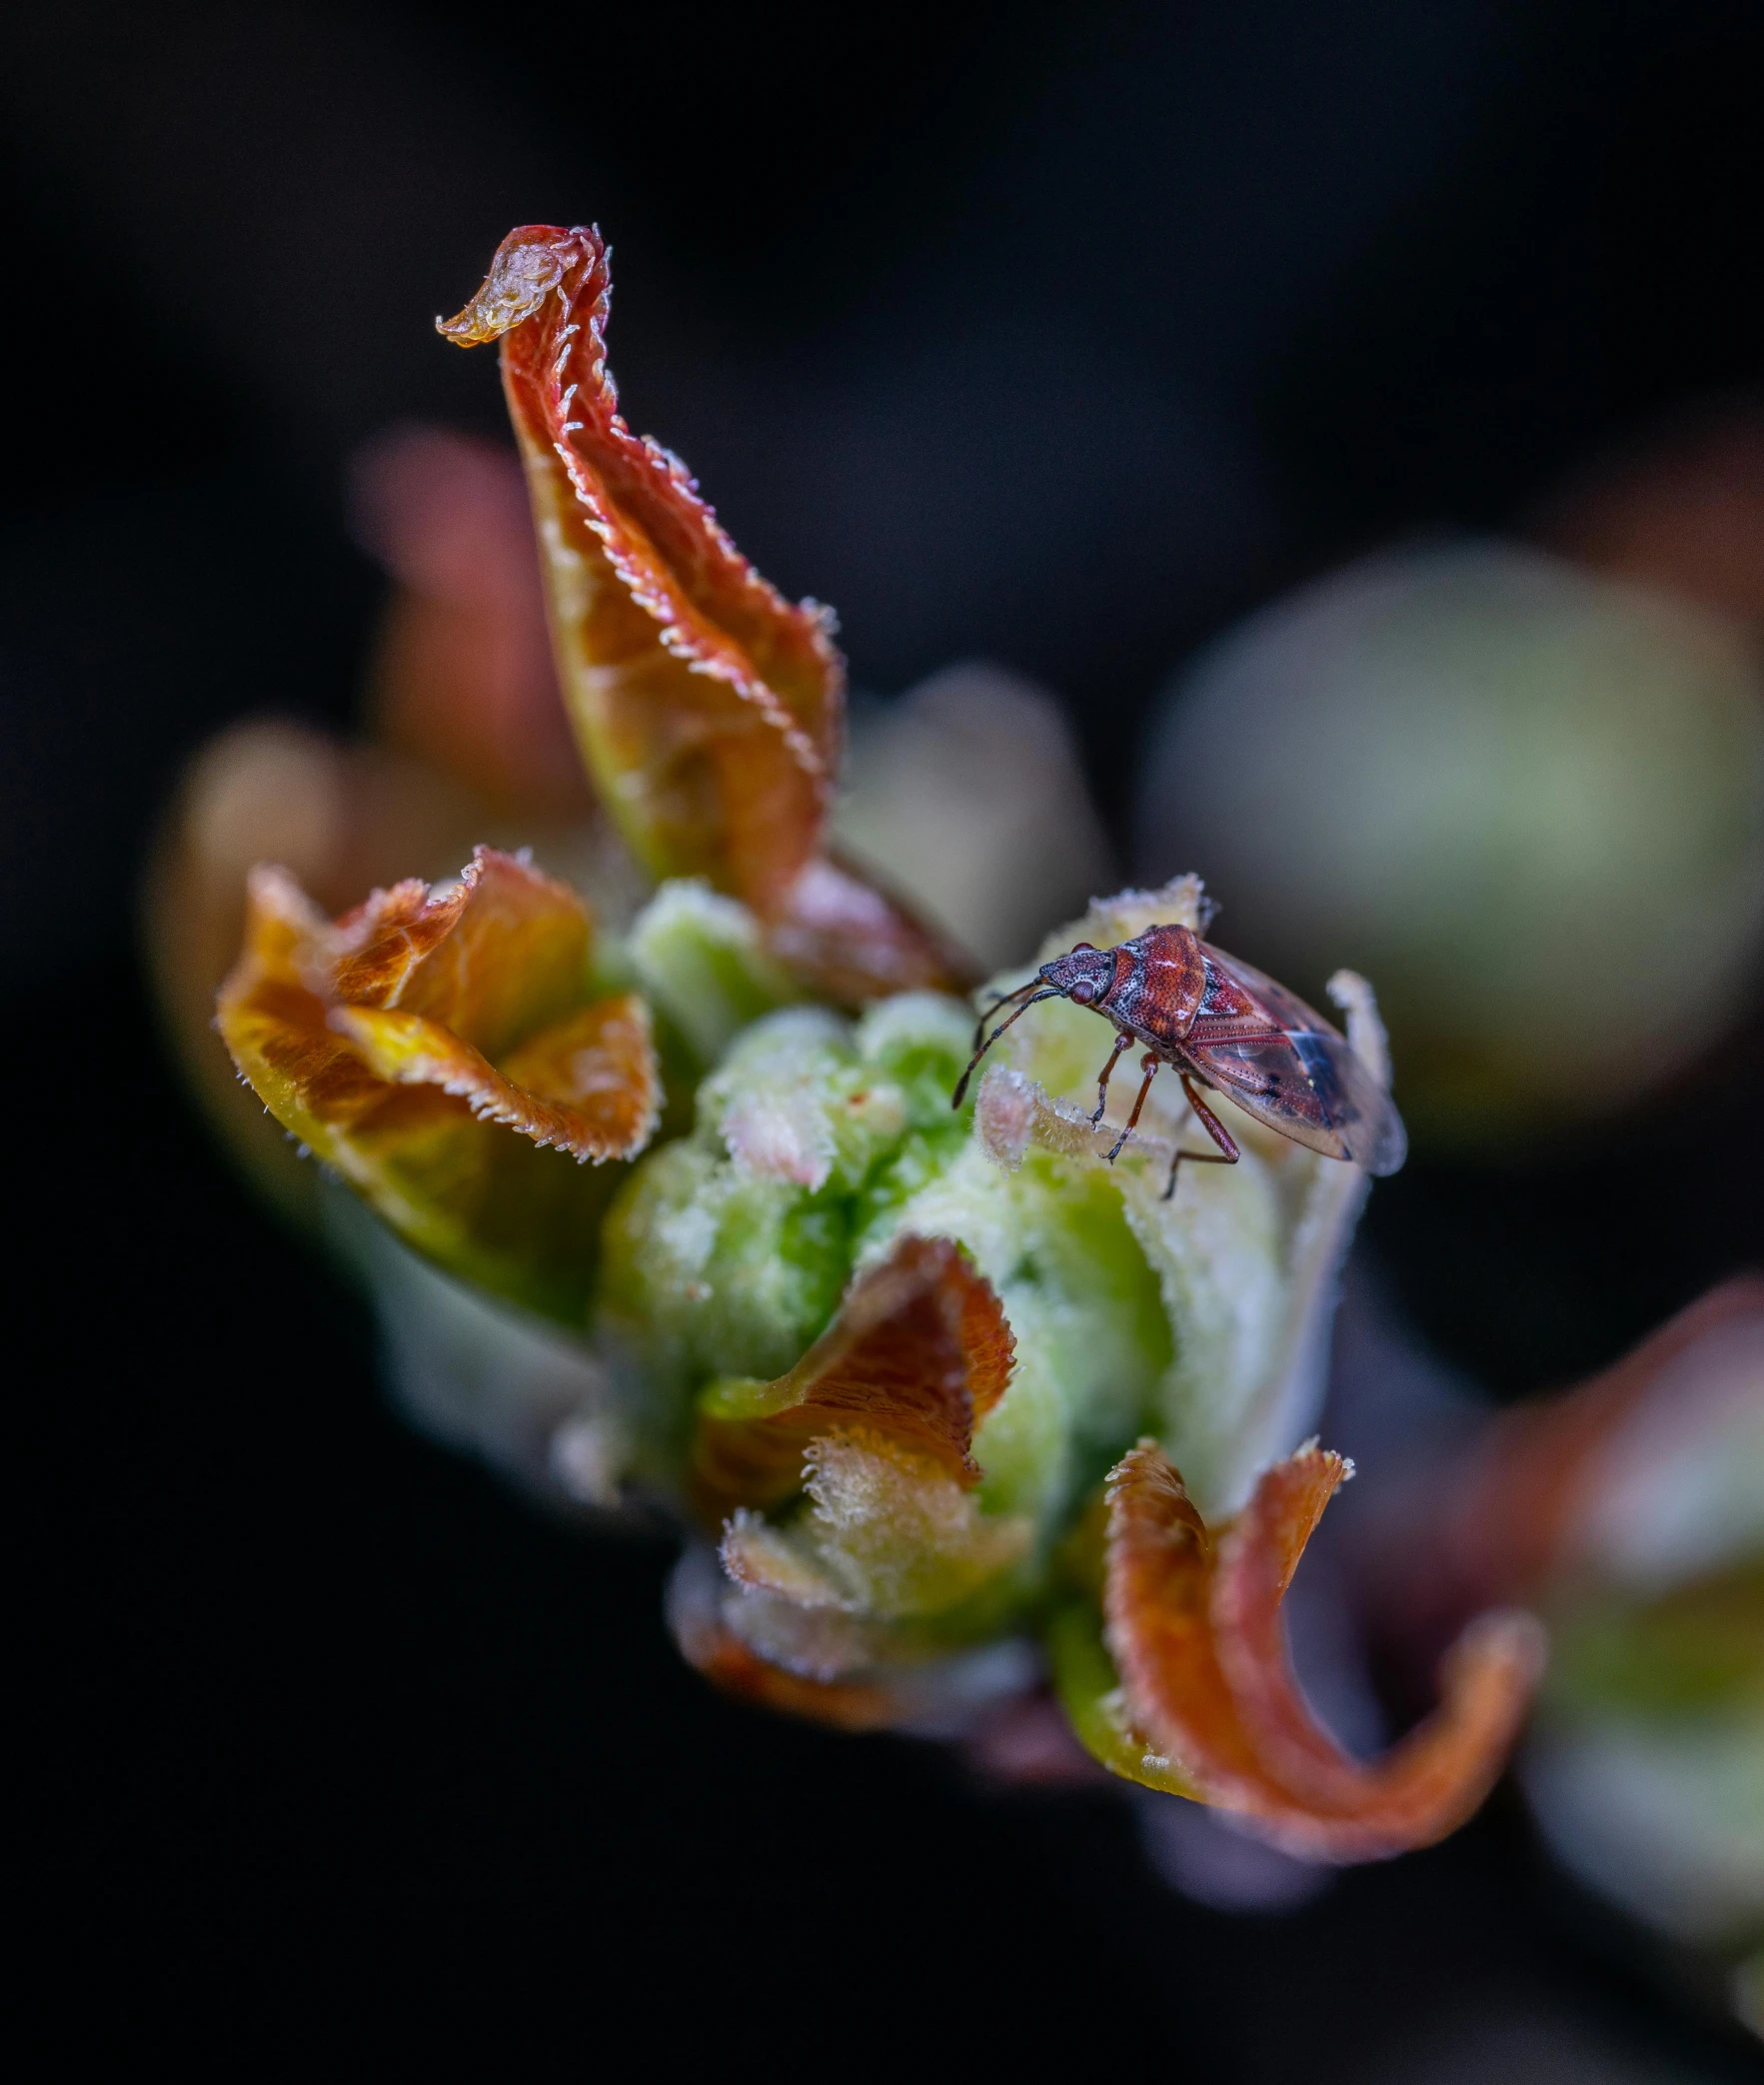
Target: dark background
(1059,334)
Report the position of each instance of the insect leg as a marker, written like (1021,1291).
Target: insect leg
(1120,1044)
(1151,1065)
(980,1049)
(1227,1152)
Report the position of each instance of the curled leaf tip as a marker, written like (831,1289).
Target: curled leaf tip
(710,710)
(528,265)
(404,1041)
(919,1352)
(1194,1624)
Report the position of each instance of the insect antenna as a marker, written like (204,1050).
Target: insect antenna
(1003,1000)
(1038,991)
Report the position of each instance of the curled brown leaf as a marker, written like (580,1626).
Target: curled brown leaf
(1193,1626)
(1514,1517)
(1502,1518)
(919,1352)
(404,1041)
(709,709)
(461,675)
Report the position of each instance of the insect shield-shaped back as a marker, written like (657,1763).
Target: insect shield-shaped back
(1156,982)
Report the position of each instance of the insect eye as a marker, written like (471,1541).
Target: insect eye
(1083,991)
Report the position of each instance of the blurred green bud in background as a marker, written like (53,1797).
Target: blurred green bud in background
(1528,797)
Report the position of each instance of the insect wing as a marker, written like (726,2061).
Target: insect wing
(1297,1074)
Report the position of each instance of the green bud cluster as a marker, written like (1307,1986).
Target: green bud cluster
(816,1142)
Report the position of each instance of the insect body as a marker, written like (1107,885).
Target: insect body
(1221,1025)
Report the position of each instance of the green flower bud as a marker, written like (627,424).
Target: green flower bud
(702,961)
(821,1144)
(727,1252)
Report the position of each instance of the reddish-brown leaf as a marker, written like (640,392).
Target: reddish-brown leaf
(461,675)
(1498,1521)
(403,1042)
(855,1679)
(710,710)
(738,1669)
(1507,1528)
(920,1351)
(872,1693)
(1194,1629)
(853,941)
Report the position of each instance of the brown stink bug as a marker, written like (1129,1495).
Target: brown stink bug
(1224,1025)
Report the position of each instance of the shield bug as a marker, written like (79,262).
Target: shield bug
(1219,1023)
